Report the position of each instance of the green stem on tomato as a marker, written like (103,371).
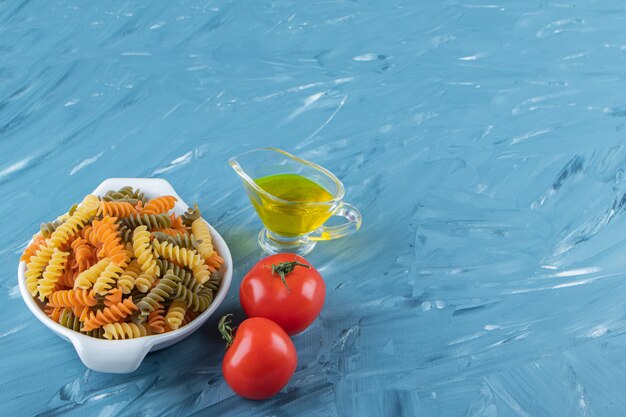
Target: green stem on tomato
(285,268)
(226,330)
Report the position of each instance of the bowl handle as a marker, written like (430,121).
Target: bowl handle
(116,357)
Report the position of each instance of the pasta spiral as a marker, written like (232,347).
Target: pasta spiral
(156,319)
(194,301)
(74,223)
(158,205)
(183,256)
(177,223)
(125,194)
(144,282)
(36,265)
(190,215)
(214,262)
(72,298)
(126,234)
(151,221)
(126,281)
(69,320)
(116,208)
(186,278)
(200,230)
(115,331)
(82,253)
(214,282)
(53,312)
(52,273)
(88,277)
(143,251)
(205,298)
(176,314)
(113,297)
(163,290)
(110,314)
(201,273)
(107,279)
(105,233)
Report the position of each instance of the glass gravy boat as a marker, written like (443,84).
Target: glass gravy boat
(293,226)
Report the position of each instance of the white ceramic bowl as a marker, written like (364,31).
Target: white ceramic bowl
(124,356)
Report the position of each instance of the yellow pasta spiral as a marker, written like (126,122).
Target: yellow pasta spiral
(76,221)
(88,277)
(143,251)
(36,265)
(200,230)
(116,331)
(107,279)
(159,205)
(176,313)
(183,256)
(144,282)
(51,274)
(126,282)
(89,205)
(201,272)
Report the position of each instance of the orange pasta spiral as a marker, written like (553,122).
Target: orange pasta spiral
(113,297)
(68,277)
(112,314)
(156,319)
(116,208)
(214,261)
(72,298)
(105,232)
(177,223)
(53,312)
(89,236)
(158,205)
(82,253)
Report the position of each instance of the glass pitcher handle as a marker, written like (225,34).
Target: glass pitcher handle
(353,217)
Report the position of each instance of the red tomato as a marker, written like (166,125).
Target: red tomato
(284,288)
(261,359)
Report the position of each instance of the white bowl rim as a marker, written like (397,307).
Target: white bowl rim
(151,341)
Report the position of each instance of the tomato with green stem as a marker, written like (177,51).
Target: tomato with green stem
(260,358)
(284,288)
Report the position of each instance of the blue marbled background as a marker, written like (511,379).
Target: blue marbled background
(483,143)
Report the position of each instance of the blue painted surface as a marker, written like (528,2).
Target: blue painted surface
(482,141)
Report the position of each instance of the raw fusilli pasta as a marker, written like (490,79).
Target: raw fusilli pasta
(123,266)
(176,313)
(158,205)
(200,230)
(124,331)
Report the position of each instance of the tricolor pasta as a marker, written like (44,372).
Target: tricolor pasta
(123,266)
